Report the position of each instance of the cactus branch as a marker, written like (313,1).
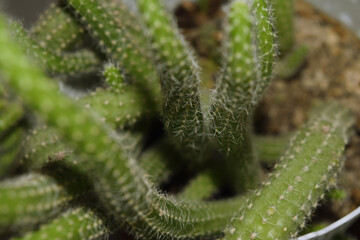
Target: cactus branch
(284,24)
(56,63)
(117,43)
(74,224)
(29,200)
(246,72)
(56,29)
(179,76)
(306,170)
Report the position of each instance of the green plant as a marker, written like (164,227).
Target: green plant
(89,153)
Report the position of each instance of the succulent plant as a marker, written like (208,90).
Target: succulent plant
(83,167)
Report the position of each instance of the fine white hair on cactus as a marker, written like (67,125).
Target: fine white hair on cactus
(94,153)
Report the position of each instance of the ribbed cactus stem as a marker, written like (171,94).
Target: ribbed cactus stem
(160,162)
(126,192)
(307,169)
(291,63)
(93,150)
(119,83)
(117,110)
(42,146)
(246,70)
(129,20)
(117,43)
(270,148)
(55,63)
(179,76)
(56,29)
(284,24)
(202,187)
(219,210)
(30,199)
(266,48)
(74,224)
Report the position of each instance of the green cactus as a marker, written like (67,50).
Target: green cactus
(57,30)
(66,63)
(31,199)
(91,166)
(179,78)
(298,182)
(292,56)
(74,224)
(292,62)
(284,22)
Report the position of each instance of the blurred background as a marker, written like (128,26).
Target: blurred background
(347,11)
(26,10)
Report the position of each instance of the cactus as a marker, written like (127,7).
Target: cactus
(31,199)
(292,56)
(87,167)
(298,182)
(66,63)
(179,78)
(79,224)
(56,30)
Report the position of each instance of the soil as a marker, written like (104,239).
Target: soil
(331,71)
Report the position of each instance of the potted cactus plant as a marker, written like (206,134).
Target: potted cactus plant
(86,168)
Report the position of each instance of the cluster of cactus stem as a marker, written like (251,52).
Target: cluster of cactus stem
(84,162)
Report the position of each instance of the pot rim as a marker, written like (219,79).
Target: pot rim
(339,226)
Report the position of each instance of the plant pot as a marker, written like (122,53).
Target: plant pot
(339,226)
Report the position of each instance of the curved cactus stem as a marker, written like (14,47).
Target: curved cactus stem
(266,49)
(307,169)
(292,62)
(130,21)
(56,30)
(270,148)
(81,61)
(89,147)
(117,43)
(284,24)
(202,187)
(30,199)
(45,152)
(115,77)
(179,77)
(118,110)
(42,146)
(74,224)
(160,161)
(126,191)
(245,74)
